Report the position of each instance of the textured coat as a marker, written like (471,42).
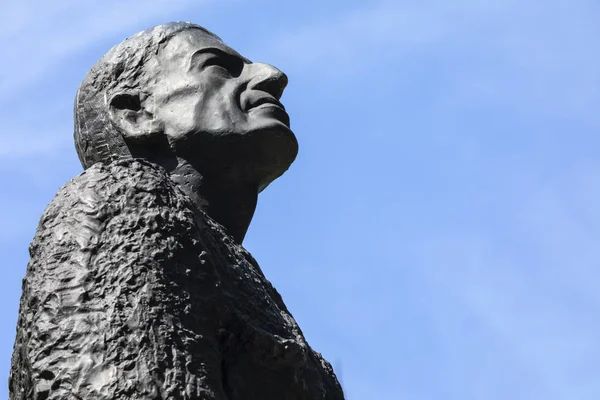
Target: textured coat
(133,293)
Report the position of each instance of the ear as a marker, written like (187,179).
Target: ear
(128,114)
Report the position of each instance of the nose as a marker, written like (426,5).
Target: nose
(267,78)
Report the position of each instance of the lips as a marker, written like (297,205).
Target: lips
(268,101)
(264,105)
(256,99)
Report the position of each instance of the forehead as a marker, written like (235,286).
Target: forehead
(183,44)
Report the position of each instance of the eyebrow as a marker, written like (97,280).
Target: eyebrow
(216,51)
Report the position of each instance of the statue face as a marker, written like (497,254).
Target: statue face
(207,91)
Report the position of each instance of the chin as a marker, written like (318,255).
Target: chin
(274,140)
(259,154)
(273,148)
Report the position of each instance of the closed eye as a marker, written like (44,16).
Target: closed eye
(209,57)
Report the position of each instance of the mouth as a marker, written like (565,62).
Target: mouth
(265,104)
(263,101)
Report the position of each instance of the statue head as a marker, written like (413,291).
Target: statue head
(176,91)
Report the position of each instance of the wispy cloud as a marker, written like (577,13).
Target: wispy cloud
(509,53)
(515,270)
(386,29)
(41,35)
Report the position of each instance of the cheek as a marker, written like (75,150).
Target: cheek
(221,111)
(201,107)
(181,112)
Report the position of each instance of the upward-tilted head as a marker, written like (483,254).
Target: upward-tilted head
(176,91)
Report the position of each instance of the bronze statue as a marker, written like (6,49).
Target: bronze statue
(138,286)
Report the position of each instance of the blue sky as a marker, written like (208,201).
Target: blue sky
(438,234)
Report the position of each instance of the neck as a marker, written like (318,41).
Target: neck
(228,198)
(231,204)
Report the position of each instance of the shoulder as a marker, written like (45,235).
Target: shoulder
(128,192)
(115,179)
(122,182)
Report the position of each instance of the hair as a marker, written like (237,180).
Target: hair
(121,68)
